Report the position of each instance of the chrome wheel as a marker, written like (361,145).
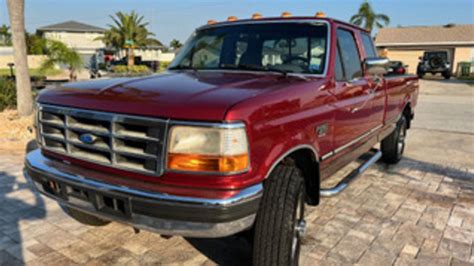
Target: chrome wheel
(401,139)
(299,229)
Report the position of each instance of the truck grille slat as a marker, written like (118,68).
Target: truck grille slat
(119,141)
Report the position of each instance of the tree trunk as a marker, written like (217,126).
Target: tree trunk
(16,11)
(131,57)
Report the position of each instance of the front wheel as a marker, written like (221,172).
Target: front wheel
(280,223)
(393,145)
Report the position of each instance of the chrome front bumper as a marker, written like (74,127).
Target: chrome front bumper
(159,212)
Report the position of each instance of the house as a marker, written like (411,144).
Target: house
(407,44)
(80,36)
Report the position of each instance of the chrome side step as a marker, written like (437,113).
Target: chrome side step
(328,192)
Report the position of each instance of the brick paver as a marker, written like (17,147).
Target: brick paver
(399,215)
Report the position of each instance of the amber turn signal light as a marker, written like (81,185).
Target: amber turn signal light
(257,16)
(232,18)
(320,14)
(208,163)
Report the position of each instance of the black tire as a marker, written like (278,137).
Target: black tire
(280,223)
(420,74)
(84,218)
(393,145)
(446,75)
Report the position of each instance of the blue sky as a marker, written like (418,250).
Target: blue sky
(178,18)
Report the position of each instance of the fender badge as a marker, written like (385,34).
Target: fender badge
(321,130)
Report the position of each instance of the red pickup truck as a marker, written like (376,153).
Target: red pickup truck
(236,136)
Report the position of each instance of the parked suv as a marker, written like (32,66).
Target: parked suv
(236,136)
(434,62)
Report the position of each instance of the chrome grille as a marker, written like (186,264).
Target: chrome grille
(121,141)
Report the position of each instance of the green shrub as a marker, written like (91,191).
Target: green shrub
(7,93)
(163,66)
(138,69)
(135,70)
(120,69)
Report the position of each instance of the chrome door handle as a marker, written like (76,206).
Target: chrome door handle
(371,95)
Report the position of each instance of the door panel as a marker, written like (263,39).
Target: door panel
(354,108)
(354,94)
(379,101)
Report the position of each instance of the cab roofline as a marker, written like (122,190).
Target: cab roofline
(279,19)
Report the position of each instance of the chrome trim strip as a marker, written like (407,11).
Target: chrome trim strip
(299,147)
(226,125)
(352,142)
(39,163)
(327,155)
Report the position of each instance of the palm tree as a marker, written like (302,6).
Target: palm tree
(367,16)
(16,11)
(59,53)
(129,32)
(35,44)
(5,35)
(175,44)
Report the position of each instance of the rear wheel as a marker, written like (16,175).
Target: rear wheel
(447,75)
(420,74)
(84,218)
(280,223)
(393,145)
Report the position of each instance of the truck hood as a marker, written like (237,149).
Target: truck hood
(205,95)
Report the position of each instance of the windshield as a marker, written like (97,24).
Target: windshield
(283,47)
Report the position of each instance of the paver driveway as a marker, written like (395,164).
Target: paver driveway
(416,212)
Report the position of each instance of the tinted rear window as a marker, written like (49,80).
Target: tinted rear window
(368,45)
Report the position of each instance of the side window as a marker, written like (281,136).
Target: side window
(338,70)
(349,54)
(368,45)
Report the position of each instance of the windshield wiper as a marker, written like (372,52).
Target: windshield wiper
(254,67)
(182,67)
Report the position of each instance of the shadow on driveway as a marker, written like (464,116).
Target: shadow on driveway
(13,210)
(232,250)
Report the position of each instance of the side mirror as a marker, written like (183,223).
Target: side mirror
(376,66)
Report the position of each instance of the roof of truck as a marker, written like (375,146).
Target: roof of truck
(282,19)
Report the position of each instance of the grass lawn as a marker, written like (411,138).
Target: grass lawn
(33,72)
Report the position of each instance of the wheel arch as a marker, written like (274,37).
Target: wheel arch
(306,158)
(408,113)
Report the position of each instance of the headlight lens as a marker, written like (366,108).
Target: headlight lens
(208,149)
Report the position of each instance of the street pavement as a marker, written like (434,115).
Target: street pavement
(420,211)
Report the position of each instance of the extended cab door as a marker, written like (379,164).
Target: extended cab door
(353,92)
(377,84)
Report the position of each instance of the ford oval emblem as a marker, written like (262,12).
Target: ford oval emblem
(87,138)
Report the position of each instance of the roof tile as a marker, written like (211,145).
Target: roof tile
(426,35)
(71,26)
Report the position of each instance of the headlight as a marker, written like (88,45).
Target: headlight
(208,149)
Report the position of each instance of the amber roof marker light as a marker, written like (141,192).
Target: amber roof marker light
(257,16)
(232,18)
(320,14)
(211,21)
(286,14)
